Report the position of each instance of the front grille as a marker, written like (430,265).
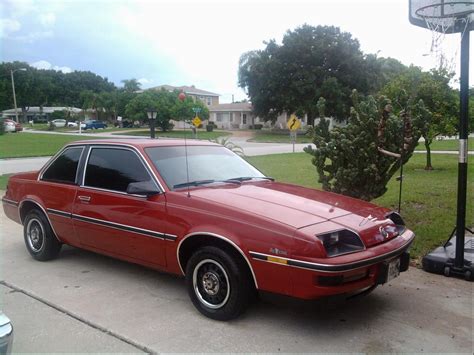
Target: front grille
(340,279)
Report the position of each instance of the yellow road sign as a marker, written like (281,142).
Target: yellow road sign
(293,123)
(196,121)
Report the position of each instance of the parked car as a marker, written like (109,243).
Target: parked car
(93,124)
(72,124)
(59,123)
(12,126)
(205,213)
(6,334)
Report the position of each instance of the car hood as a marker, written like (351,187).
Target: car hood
(293,205)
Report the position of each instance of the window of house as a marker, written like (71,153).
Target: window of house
(244,118)
(209,101)
(64,167)
(114,168)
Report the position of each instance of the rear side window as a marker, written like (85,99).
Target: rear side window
(64,168)
(113,169)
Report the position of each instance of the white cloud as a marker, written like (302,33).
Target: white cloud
(33,36)
(144,81)
(43,64)
(48,19)
(8,25)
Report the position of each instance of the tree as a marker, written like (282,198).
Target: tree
(91,100)
(167,106)
(311,62)
(131,85)
(438,97)
(36,87)
(359,159)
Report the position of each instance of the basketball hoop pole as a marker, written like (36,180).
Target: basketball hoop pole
(462,164)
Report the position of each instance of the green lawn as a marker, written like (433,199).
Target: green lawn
(202,134)
(3,181)
(429,197)
(16,145)
(269,137)
(446,144)
(272,137)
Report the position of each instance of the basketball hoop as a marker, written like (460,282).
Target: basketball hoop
(443,17)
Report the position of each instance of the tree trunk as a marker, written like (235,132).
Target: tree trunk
(428,154)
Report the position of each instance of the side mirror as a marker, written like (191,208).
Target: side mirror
(144,188)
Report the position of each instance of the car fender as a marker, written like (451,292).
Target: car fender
(233,241)
(39,203)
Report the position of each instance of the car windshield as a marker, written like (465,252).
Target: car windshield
(206,164)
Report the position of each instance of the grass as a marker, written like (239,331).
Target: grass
(269,137)
(18,145)
(428,201)
(202,134)
(3,181)
(446,144)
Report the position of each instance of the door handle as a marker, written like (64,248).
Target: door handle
(84,198)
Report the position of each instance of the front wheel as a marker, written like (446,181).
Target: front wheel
(39,237)
(218,284)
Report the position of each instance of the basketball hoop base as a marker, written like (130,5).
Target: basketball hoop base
(442,260)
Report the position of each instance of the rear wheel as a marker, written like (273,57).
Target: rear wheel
(39,237)
(218,284)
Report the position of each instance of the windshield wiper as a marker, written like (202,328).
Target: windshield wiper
(247,178)
(204,182)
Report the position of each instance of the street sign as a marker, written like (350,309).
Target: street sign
(196,121)
(293,123)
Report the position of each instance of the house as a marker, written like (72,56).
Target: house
(240,116)
(39,114)
(209,98)
(233,116)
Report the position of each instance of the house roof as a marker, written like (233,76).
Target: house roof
(46,109)
(186,89)
(240,106)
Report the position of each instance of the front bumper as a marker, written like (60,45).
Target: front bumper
(312,280)
(6,334)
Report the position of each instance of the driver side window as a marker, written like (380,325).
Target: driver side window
(114,168)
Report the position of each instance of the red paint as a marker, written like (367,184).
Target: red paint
(255,216)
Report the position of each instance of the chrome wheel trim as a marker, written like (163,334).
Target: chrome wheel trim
(35,235)
(211,284)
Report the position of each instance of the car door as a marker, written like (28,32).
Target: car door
(57,190)
(109,220)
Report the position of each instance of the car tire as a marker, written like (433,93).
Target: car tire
(40,240)
(218,284)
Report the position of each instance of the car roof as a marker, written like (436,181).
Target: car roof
(146,143)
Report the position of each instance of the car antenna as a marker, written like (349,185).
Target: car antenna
(182,97)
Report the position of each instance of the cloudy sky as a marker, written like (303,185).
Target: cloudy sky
(195,42)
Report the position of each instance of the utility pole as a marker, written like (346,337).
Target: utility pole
(13,88)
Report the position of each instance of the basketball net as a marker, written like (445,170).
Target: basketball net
(441,51)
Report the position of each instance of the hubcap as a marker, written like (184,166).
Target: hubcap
(211,284)
(35,234)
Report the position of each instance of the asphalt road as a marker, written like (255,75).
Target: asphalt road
(84,302)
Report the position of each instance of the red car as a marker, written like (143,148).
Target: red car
(203,212)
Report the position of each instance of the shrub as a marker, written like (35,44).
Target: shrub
(359,159)
(256,126)
(2,127)
(209,127)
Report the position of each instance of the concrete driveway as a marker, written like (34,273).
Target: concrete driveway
(84,302)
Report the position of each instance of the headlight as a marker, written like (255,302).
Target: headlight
(341,242)
(398,220)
